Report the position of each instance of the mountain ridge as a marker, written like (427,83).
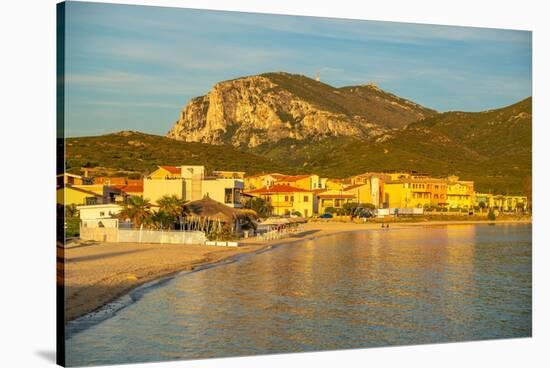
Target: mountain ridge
(266,108)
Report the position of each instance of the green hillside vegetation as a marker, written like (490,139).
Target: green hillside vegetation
(141,153)
(492,148)
(505,131)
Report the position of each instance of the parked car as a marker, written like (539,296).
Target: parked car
(326,216)
(366,214)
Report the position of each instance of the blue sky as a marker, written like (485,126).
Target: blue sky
(135,67)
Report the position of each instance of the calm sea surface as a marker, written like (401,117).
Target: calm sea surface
(375,288)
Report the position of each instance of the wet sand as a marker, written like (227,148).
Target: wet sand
(97,273)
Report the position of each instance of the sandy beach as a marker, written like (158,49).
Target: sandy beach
(97,273)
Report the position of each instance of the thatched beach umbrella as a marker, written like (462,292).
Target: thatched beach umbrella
(208,215)
(209,209)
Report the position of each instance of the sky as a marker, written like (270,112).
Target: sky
(133,67)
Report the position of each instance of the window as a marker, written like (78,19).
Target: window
(292,198)
(101,213)
(228,197)
(306,199)
(286,198)
(91,200)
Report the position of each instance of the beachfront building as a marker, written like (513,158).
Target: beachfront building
(337,184)
(308,182)
(419,191)
(510,203)
(190,184)
(68,179)
(226,191)
(334,199)
(99,215)
(397,194)
(286,200)
(261,181)
(76,195)
(182,181)
(487,198)
(460,194)
(368,188)
(427,191)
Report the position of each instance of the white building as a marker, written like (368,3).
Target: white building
(99,215)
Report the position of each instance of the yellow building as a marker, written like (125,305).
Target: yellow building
(460,194)
(286,199)
(308,182)
(366,177)
(507,203)
(189,183)
(260,181)
(183,181)
(68,179)
(368,188)
(397,194)
(74,195)
(361,192)
(166,172)
(337,184)
(408,193)
(487,198)
(334,199)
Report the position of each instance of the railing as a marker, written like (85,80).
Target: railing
(279,234)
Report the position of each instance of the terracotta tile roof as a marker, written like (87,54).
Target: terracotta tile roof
(277,188)
(172,169)
(134,188)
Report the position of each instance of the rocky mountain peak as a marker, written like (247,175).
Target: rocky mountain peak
(267,108)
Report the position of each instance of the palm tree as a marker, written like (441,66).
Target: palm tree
(172,206)
(260,206)
(162,220)
(138,210)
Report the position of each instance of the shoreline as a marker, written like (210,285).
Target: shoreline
(85,300)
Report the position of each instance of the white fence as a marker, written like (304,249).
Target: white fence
(142,236)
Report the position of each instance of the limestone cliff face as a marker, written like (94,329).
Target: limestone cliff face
(251,111)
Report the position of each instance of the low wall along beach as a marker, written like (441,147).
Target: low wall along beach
(106,234)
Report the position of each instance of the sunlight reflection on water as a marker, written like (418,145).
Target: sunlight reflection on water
(376,288)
